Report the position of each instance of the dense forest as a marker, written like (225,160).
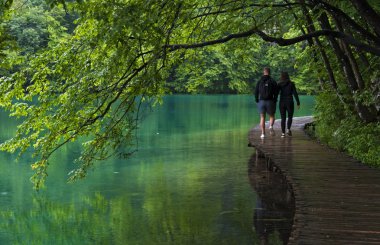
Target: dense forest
(80,69)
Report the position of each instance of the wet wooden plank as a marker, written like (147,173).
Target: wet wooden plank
(337,198)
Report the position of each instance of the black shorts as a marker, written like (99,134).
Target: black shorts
(266,106)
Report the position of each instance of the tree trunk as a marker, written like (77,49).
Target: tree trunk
(348,51)
(311,44)
(363,112)
(365,33)
(368,13)
(364,59)
(359,78)
(311,28)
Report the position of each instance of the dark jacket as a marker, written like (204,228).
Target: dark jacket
(272,83)
(287,90)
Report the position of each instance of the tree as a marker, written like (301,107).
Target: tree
(34,27)
(31,25)
(89,85)
(5,39)
(229,69)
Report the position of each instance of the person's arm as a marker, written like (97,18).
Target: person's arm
(277,91)
(257,92)
(296,95)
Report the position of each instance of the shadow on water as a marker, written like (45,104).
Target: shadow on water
(274,212)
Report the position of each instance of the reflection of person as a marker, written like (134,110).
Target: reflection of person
(274,204)
(266,97)
(263,222)
(287,89)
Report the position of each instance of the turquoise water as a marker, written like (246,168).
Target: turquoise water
(187,183)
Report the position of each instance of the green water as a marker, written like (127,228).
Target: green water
(187,184)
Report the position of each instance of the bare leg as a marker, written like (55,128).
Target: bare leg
(271,120)
(262,123)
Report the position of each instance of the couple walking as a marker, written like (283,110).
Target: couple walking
(266,93)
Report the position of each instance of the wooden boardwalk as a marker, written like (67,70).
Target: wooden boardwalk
(337,199)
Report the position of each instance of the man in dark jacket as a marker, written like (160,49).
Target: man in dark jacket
(266,97)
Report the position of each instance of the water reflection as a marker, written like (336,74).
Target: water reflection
(186,184)
(273,215)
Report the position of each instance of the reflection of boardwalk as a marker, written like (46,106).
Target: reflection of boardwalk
(274,211)
(337,198)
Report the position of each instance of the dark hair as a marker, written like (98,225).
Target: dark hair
(267,69)
(284,76)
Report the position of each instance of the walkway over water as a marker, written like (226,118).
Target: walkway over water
(337,198)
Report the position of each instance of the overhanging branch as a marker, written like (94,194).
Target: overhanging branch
(243,7)
(334,11)
(279,41)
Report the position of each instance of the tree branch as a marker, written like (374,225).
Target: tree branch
(368,13)
(245,7)
(280,41)
(336,12)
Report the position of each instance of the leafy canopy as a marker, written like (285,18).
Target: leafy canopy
(88,85)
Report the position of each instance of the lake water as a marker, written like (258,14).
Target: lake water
(188,183)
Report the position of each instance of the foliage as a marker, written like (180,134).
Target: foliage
(32,26)
(230,69)
(214,70)
(339,128)
(5,38)
(89,84)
